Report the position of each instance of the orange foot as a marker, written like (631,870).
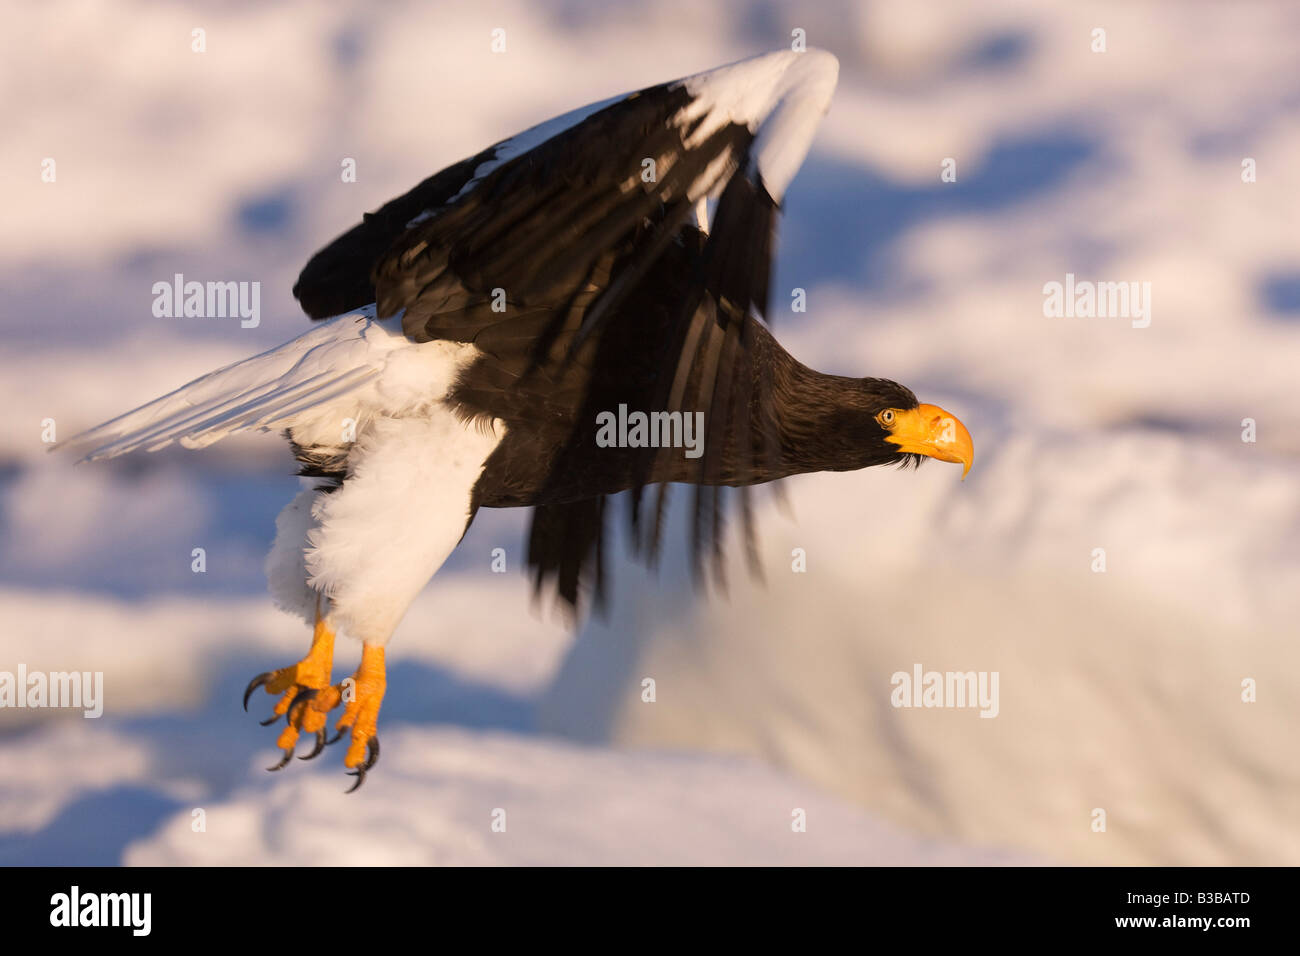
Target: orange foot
(308,698)
(301,685)
(362,696)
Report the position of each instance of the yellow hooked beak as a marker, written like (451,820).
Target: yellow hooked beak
(929,430)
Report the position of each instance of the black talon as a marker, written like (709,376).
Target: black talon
(372,754)
(270,720)
(320,745)
(360,774)
(288,755)
(338,736)
(304,694)
(254,684)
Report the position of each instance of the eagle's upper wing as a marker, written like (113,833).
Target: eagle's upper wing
(547,247)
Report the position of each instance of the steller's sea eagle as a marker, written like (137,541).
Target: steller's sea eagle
(473,333)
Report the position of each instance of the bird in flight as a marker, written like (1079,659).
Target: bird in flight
(477,338)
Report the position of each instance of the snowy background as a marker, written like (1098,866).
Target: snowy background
(1119,690)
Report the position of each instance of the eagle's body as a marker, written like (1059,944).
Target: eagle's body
(473,330)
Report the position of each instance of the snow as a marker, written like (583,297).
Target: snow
(1120,691)
(562,805)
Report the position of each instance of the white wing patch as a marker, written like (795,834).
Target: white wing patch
(780,96)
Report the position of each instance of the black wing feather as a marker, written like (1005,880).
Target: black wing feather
(338,278)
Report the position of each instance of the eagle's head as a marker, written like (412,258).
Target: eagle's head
(907,428)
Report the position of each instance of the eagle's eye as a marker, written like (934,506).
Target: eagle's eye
(886,417)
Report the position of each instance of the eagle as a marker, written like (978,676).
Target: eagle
(475,339)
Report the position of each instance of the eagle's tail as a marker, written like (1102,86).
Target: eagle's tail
(265,391)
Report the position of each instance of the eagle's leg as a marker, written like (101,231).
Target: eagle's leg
(300,685)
